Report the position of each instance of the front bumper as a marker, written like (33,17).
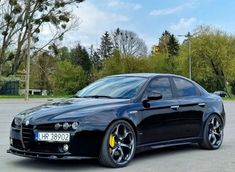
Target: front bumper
(83,144)
(40,155)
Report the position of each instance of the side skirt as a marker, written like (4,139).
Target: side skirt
(163,144)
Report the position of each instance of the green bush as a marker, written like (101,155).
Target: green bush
(233,87)
(116,64)
(67,78)
(8,79)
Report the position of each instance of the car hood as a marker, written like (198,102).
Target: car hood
(70,108)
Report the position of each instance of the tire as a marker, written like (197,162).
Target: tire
(119,144)
(213,133)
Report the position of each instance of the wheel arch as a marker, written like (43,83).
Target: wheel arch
(210,114)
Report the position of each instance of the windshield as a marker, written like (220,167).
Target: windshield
(113,87)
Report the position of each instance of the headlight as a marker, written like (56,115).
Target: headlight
(75,125)
(66,126)
(18,120)
(57,126)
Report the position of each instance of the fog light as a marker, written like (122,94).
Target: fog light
(57,126)
(65,147)
(75,125)
(66,126)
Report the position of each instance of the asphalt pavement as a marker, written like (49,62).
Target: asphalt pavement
(175,159)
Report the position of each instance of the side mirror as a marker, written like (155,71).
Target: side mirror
(154,96)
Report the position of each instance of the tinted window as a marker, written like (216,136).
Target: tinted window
(114,87)
(160,85)
(184,88)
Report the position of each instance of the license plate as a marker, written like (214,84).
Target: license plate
(52,137)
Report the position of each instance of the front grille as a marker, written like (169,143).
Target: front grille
(45,127)
(27,135)
(30,144)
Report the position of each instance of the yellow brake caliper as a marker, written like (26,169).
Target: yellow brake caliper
(111,142)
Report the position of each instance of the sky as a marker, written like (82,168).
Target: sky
(149,18)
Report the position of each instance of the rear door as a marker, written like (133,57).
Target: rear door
(191,106)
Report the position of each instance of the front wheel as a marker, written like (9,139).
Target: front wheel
(118,147)
(213,133)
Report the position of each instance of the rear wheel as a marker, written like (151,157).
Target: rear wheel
(213,133)
(118,147)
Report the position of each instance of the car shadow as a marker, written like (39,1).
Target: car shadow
(47,165)
(91,164)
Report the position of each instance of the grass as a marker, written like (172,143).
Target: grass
(229,98)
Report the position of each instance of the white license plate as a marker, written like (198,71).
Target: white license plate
(52,137)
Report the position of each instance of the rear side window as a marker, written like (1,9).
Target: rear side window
(160,85)
(184,88)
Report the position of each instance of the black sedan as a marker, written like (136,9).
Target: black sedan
(118,116)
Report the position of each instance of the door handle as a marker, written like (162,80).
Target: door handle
(175,107)
(202,104)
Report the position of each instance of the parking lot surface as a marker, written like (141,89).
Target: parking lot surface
(175,159)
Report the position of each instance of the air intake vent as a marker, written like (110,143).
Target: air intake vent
(27,135)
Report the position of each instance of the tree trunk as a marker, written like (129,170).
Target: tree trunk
(219,74)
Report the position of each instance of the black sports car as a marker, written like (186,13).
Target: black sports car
(117,116)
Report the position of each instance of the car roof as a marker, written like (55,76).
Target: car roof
(145,75)
(152,75)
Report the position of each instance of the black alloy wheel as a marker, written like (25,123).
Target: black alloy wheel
(118,146)
(213,133)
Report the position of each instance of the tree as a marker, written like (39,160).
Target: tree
(129,43)
(80,57)
(168,44)
(63,53)
(232,84)
(158,63)
(173,46)
(163,43)
(106,46)
(41,71)
(68,78)
(110,66)
(117,64)
(96,61)
(21,17)
(213,58)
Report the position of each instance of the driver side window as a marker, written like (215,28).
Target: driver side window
(159,85)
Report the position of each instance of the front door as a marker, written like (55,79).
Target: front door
(162,120)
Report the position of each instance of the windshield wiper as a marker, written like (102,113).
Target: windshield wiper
(97,96)
(76,96)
